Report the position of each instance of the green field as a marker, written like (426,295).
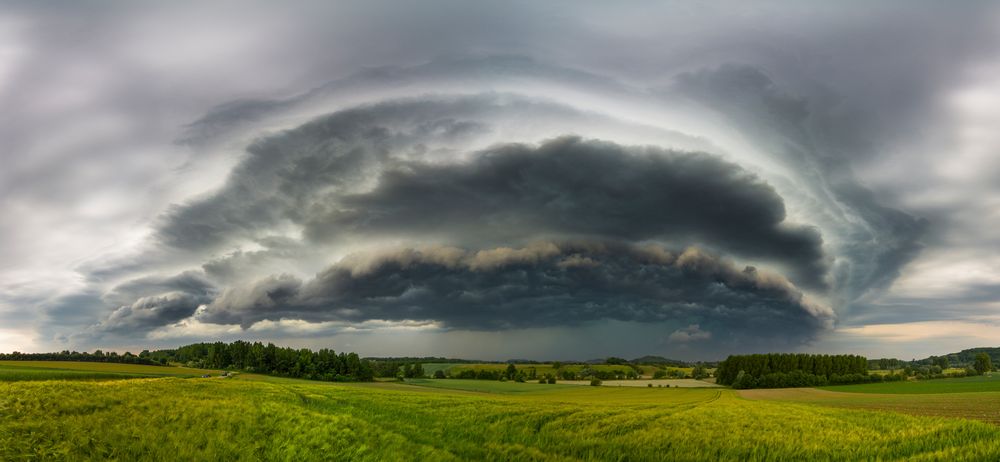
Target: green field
(264,418)
(431,368)
(22,373)
(487,386)
(542,369)
(960,385)
(72,370)
(978,406)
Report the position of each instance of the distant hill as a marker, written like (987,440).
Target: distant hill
(660,360)
(427,360)
(967,357)
(963,358)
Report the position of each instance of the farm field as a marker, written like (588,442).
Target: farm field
(542,369)
(983,406)
(678,383)
(72,370)
(959,385)
(21,373)
(486,386)
(265,418)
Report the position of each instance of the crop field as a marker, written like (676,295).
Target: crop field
(486,386)
(431,368)
(979,406)
(959,385)
(542,369)
(670,383)
(70,370)
(20,373)
(255,418)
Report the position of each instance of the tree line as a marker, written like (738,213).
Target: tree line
(97,356)
(256,357)
(324,364)
(780,370)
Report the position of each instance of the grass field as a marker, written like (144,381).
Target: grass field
(960,385)
(486,386)
(431,368)
(263,418)
(979,406)
(70,370)
(542,369)
(22,373)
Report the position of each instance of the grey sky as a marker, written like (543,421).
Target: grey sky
(198,170)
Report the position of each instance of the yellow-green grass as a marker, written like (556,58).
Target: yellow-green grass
(983,406)
(959,385)
(542,369)
(431,368)
(950,370)
(670,383)
(69,368)
(21,373)
(246,419)
(486,386)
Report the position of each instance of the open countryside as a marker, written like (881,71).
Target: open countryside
(499,230)
(96,410)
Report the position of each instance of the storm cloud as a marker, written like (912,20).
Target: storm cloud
(545,284)
(355,175)
(689,180)
(577,187)
(146,303)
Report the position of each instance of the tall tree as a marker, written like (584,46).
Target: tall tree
(983,363)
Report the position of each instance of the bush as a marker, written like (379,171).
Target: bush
(438,374)
(595,382)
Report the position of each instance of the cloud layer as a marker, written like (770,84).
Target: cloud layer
(542,285)
(470,174)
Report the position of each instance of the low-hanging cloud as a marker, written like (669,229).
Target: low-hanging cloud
(146,303)
(355,174)
(544,284)
(570,186)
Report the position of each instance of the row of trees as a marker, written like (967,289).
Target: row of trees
(244,356)
(97,356)
(963,359)
(936,367)
(791,370)
(324,364)
(511,372)
(795,379)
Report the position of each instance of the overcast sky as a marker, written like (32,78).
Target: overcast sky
(545,180)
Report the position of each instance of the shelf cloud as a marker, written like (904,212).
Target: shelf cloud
(728,179)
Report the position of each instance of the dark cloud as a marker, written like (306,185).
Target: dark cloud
(150,312)
(569,186)
(365,171)
(282,175)
(155,301)
(878,240)
(545,284)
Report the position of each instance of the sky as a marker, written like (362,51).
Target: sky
(495,180)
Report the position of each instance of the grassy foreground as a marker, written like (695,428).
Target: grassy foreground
(248,419)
